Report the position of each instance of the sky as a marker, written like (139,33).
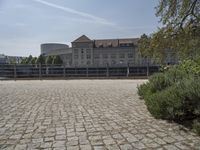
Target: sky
(25,24)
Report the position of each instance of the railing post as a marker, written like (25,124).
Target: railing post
(47,70)
(40,71)
(107,70)
(147,69)
(64,71)
(127,70)
(87,71)
(15,72)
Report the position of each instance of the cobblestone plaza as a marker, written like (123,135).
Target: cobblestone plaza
(85,115)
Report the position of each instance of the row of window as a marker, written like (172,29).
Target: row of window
(105,62)
(105,56)
(111,45)
(122,55)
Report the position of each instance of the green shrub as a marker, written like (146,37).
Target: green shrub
(165,104)
(174,94)
(143,89)
(196,126)
(178,102)
(158,82)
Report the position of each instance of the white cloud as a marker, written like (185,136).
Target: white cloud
(76,12)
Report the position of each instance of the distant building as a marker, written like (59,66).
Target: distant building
(102,52)
(14,59)
(3,59)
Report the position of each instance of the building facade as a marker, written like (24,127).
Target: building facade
(3,59)
(103,52)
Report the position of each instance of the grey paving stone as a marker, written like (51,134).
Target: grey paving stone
(138,145)
(126,147)
(83,114)
(170,147)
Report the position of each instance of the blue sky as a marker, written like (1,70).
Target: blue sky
(25,24)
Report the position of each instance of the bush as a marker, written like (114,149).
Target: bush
(175,93)
(177,102)
(196,126)
(143,89)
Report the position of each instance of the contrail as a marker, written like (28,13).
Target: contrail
(79,13)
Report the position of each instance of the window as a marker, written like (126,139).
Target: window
(109,44)
(100,45)
(75,51)
(96,56)
(105,62)
(121,55)
(82,56)
(82,51)
(88,51)
(121,61)
(131,61)
(113,62)
(130,55)
(126,45)
(105,56)
(96,62)
(75,56)
(88,62)
(75,63)
(88,56)
(113,56)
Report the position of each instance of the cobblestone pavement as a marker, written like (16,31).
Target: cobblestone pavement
(83,114)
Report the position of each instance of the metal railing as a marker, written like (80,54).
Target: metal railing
(50,71)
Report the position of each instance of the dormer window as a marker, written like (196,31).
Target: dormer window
(126,44)
(109,44)
(100,45)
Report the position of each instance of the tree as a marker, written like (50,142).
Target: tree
(57,60)
(144,45)
(29,59)
(153,46)
(12,60)
(180,31)
(178,13)
(33,60)
(24,60)
(49,60)
(40,60)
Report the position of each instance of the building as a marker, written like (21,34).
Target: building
(3,59)
(101,52)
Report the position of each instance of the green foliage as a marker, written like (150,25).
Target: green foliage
(29,59)
(144,45)
(178,12)
(49,60)
(177,102)
(33,60)
(57,60)
(180,31)
(196,126)
(40,60)
(174,94)
(12,61)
